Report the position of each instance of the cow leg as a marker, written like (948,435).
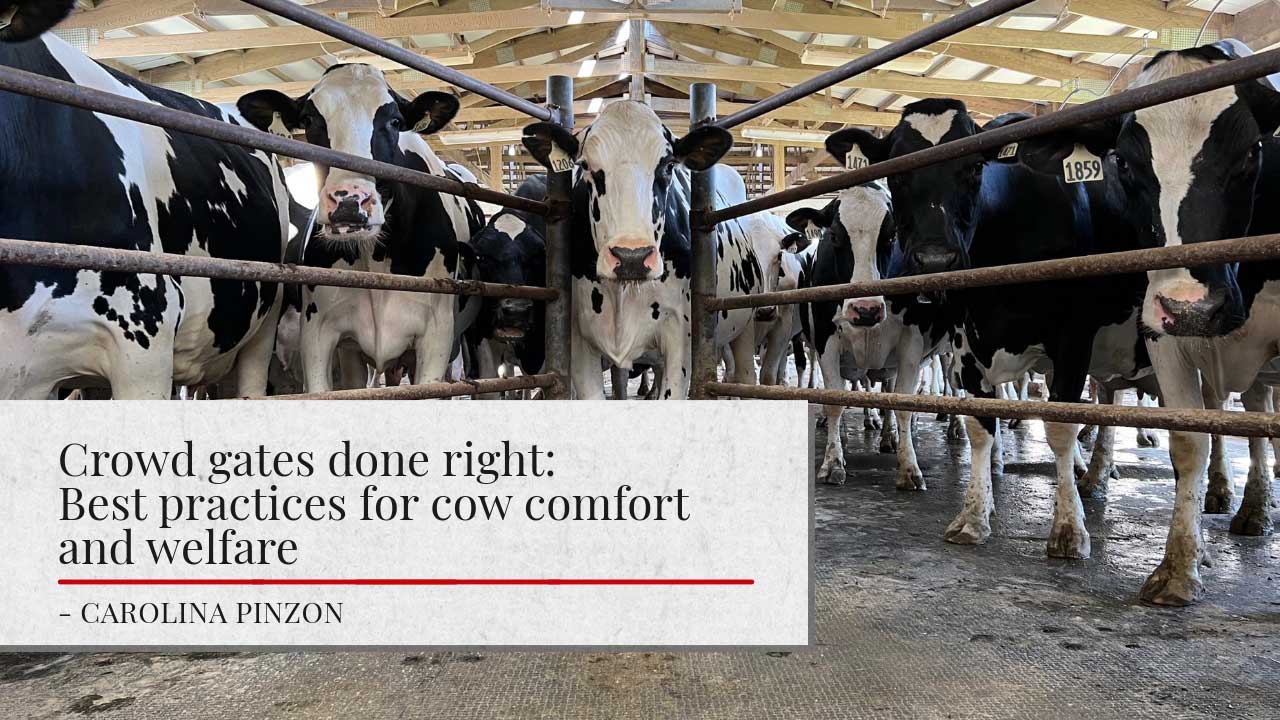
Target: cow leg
(1093,483)
(1068,538)
(646,385)
(997,450)
(1275,442)
(588,378)
(775,353)
(909,475)
(743,348)
(353,371)
(888,422)
(1177,579)
(870,418)
(1221,494)
(253,362)
(1254,515)
(618,382)
(973,525)
(486,366)
(832,469)
(1019,388)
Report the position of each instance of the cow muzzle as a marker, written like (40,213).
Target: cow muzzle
(1185,311)
(632,261)
(766,314)
(513,319)
(351,210)
(933,259)
(864,312)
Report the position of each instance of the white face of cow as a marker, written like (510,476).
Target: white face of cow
(352,110)
(863,213)
(625,160)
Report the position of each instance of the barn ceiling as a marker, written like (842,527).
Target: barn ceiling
(1059,51)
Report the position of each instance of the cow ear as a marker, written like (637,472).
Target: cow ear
(1263,98)
(794,242)
(23,20)
(841,143)
(429,112)
(802,219)
(551,145)
(1045,153)
(703,147)
(261,108)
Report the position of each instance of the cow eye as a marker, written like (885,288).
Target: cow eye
(397,124)
(1121,164)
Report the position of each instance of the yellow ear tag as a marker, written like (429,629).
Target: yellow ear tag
(1008,151)
(560,160)
(1082,166)
(855,160)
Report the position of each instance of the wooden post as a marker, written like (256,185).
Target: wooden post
(495,167)
(779,167)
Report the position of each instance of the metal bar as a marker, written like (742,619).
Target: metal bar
(1261,247)
(344,32)
(430,391)
(59,91)
(921,38)
(88,257)
(702,284)
(559,243)
(1175,88)
(1217,422)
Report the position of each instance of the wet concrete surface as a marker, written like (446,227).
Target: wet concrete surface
(908,627)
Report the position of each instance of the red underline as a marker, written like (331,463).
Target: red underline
(406,581)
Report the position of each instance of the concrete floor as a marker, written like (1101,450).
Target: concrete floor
(907,627)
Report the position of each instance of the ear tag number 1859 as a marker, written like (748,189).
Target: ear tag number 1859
(855,160)
(1082,166)
(560,160)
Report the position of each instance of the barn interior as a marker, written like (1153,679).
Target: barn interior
(907,625)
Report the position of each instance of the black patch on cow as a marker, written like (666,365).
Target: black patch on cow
(597,301)
(311,310)
(656,313)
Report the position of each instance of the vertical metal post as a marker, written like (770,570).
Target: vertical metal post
(702,110)
(559,223)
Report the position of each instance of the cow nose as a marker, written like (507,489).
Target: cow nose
(633,263)
(349,203)
(865,312)
(766,314)
(1204,317)
(933,260)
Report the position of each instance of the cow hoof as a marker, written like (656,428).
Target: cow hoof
(1166,587)
(833,475)
(1252,521)
(870,424)
(821,421)
(963,531)
(889,445)
(910,479)
(943,417)
(1015,423)
(1088,433)
(1115,473)
(955,431)
(1148,439)
(1218,501)
(997,467)
(1066,541)
(1093,485)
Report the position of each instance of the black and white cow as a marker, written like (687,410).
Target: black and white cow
(631,249)
(970,212)
(890,336)
(78,177)
(1194,170)
(511,249)
(784,330)
(375,225)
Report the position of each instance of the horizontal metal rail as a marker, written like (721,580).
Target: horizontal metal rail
(337,29)
(924,37)
(431,391)
(60,91)
(88,257)
(1261,247)
(1218,422)
(1175,88)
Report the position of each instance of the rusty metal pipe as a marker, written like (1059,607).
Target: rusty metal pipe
(88,257)
(1175,88)
(60,91)
(337,29)
(1217,422)
(1262,247)
(922,38)
(430,391)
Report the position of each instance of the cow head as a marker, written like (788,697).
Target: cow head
(352,109)
(858,229)
(1188,169)
(25,19)
(511,249)
(934,207)
(626,158)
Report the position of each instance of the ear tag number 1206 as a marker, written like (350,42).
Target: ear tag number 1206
(560,160)
(1082,166)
